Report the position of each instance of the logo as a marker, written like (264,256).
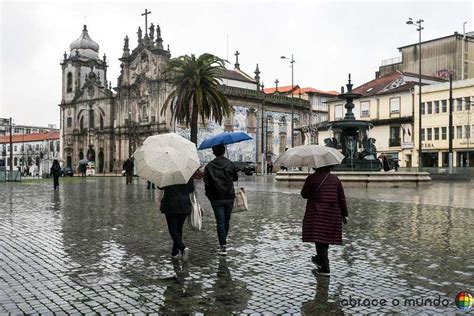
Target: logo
(464,301)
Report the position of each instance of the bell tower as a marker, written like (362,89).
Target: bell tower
(83,58)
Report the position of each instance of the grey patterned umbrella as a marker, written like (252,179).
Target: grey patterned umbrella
(310,156)
(166,159)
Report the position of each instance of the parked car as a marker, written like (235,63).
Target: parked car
(247,167)
(67,171)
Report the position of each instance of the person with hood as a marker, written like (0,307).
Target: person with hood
(219,175)
(56,173)
(326,210)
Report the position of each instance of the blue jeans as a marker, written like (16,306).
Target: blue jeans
(222,211)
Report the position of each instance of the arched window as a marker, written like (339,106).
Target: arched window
(81,123)
(69,82)
(101,122)
(91,119)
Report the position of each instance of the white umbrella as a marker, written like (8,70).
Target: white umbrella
(166,159)
(310,156)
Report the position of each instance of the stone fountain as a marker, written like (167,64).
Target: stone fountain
(351,136)
(360,166)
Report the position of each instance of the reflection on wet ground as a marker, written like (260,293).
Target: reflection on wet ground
(97,245)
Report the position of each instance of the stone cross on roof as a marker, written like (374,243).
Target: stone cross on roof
(146,20)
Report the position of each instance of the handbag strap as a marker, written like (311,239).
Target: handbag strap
(319,186)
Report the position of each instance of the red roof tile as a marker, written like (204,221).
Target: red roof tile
(36,137)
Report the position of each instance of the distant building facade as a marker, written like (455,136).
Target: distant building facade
(435,123)
(106,125)
(24,129)
(440,57)
(31,152)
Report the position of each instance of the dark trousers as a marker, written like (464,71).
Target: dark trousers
(56,182)
(222,212)
(129,177)
(150,185)
(322,252)
(175,228)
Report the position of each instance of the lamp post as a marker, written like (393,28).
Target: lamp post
(419,28)
(129,134)
(292,61)
(262,132)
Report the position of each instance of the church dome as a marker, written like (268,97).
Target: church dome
(85,45)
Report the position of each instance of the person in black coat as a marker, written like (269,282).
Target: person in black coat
(219,175)
(176,205)
(56,173)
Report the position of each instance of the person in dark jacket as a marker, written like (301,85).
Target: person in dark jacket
(326,210)
(176,205)
(219,175)
(128,167)
(56,173)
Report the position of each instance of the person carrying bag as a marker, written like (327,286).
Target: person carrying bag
(219,175)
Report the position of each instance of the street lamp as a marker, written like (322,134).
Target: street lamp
(292,61)
(418,28)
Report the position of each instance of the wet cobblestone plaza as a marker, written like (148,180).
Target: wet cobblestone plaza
(99,246)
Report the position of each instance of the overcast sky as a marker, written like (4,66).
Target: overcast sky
(328,40)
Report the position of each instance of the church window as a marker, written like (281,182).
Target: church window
(69,82)
(69,121)
(91,119)
(101,122)
(81,123)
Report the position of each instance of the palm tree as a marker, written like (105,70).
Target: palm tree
(196,90)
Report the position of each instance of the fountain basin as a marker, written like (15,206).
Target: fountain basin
(362,179)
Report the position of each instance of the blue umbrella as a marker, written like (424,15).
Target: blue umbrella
(224,139)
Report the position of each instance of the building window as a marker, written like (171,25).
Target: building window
(423,108)
(430,107)
(436,133)
(467,132)
(365,108)
(436,107)
(459,132)
(37,146)
(14,148)
(394,105)
(101,122)
(467,103)
(69,82)
(443,132)
(15,161)
(69,122)
(338,112)
(429,135)
(91,119)
(394,136)
(459,104)
(444,106)
(81,123)
(422,134)
(28,131)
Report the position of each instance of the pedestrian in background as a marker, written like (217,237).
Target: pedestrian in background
(326,210)
(219,175)
(128,167)
(176,205)
(55,173)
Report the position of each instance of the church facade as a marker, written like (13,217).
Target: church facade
(105,125)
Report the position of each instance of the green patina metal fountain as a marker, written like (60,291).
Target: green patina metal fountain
(351,136)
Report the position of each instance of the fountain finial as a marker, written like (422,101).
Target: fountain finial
(349,85)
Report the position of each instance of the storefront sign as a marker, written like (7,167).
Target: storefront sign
(428,145)
(407,145)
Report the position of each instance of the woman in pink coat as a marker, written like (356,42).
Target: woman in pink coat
(326,210)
